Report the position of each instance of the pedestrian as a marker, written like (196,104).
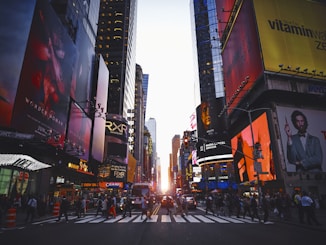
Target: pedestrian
(185,205)
(169,204)
(143,208)
(31,209)
(99,206)
(111,207)
(237,204)
(150,207)
(246,207)
(127,206)
(298,205)
(266,207)
(78,206)
(104,209)
(179,204)
(209,204)
(254,208)
(308,208)
(64,206)
(83,206)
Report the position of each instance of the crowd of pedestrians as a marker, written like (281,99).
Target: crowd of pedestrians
(278,205)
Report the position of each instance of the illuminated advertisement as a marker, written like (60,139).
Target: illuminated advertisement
(224,9)
(81,83)
(242,148)
(116,138)
(241,51)
(99,120)
(42,99)
(292,34)
(15,18)
(79,133)
(303,135)
(213,142)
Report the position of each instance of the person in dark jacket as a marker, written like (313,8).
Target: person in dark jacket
(64,206)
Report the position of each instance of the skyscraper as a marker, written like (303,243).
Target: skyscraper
(116,42)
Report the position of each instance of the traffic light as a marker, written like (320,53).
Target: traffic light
(186,142)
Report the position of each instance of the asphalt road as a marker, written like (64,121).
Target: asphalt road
(197,228)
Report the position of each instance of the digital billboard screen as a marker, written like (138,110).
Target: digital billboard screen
(241,55)
(42,99)
(213,141)
(16,19)
(242,148)
(79,133)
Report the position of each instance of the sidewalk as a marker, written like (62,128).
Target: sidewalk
(21,216)
(294,219)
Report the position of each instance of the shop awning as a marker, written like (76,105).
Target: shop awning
(22,161)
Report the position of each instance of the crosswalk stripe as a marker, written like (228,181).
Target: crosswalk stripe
(233,220)
(127,219)
(178,218)
(204,219)
(192,219)
(84,220)
(165,218)
(218,220)
(136,218)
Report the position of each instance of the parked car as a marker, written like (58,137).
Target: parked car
(191,201)
(164,201)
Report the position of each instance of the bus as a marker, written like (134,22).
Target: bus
(137,191)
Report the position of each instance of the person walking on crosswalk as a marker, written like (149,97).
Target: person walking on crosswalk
(209,204)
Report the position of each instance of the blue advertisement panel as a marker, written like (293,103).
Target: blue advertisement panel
(42,99)
(81,83)
(303,134)
(16,19)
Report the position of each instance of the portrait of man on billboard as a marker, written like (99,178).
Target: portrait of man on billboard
(303,150)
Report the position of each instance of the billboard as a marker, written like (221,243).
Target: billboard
(242,149)
(99,120)
(16,19)
(42,99)
(213,141)
(303,136)
(224,10)
(241,56)
(79,133)
(116,134)
(292,33)
(81,83)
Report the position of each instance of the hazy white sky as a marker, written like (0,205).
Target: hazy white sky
(164,51)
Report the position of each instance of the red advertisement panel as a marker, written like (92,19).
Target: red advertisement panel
(79,133)
(242,148)
(241,56)
(16,19)
(224,9)
(303,135)
(42,99)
